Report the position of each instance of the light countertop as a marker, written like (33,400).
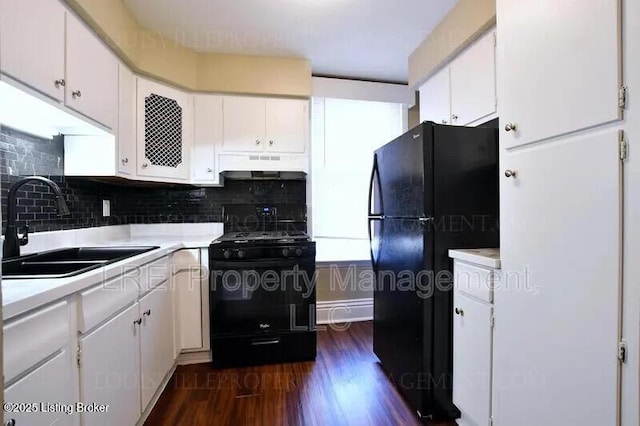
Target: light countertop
(489,257)
(19,296)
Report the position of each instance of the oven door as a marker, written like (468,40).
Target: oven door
(262,296)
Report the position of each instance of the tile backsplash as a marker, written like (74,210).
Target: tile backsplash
(24,155)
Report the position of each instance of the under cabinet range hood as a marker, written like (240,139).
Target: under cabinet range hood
(262,175)
(263,166)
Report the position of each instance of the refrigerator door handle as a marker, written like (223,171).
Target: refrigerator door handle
(375,176)
(374,263)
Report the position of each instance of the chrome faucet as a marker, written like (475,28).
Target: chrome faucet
(12,241)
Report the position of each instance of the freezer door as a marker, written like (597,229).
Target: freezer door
(404,168)
(404,253)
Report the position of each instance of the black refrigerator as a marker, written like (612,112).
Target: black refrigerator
(432,189)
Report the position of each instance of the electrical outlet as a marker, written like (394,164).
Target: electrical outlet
(106,208)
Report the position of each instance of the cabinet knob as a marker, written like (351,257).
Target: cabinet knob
(510,173)
(76,94)
(271,143)
(459,312)
(125,161)
(444,121)
(257,141)
(511,126)
(145,165)
(138,321)
(209,170)
(10,422)
(147,312)
(59,83)
(454,117)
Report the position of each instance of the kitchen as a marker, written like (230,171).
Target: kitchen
(268,134)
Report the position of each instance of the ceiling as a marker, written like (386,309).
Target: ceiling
(363,39)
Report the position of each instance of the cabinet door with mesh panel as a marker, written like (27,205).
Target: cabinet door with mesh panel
(165,131)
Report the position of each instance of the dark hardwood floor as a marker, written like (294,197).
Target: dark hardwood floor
(344,386)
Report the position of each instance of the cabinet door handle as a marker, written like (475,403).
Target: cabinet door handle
(444,121)
(145,165)
(510,173)
(125,160)
(454,117)
(76,94)
(138,321)
(459,312)
(209,170)
(59,83)
(257,141)
(511,126)
(10,422)
(147,312)
(271,143)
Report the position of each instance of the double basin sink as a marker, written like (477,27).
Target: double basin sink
(67,262)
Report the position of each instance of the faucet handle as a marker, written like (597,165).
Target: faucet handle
(23,239)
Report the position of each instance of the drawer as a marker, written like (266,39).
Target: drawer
(473,280)
(32,338)
(157,272)
(183,260)
(102,301)
(149,275)
(268,348)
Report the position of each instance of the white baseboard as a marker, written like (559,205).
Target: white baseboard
(339,311)
(194,358)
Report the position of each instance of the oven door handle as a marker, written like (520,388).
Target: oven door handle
(217,265)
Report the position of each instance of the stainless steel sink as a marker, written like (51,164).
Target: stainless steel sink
(66,262)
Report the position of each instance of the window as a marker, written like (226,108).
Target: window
(345,133)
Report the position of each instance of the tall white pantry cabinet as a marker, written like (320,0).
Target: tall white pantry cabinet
(562,351)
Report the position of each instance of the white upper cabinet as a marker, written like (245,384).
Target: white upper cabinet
(32,44)
(435,98)
(287,124)
(473,82)
(261,124)
(244,124)
(207,138)
(164,131)
(126,135)
(559,77)
(92,74)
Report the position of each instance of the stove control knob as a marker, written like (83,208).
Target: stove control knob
(240,254)
(298,252)
(226,254)
(285,252)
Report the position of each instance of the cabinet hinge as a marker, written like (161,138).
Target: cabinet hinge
(492,321)
(622,351)
(79,355)
(623,145)
(622,97)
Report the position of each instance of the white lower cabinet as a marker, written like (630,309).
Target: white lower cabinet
(187,286)
(45,390)
(472,338)
(156,342)
(39,367)
(110,370)
(473,312)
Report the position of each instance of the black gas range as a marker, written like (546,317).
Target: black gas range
(262,287)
